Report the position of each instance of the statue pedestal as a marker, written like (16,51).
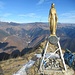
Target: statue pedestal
(52,61)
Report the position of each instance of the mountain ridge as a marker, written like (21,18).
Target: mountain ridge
(29,35)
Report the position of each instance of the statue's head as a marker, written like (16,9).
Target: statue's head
(52,5)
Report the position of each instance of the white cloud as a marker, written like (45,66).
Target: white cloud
(68,14)
(5,15)
(44,1)
(31,15)
(40,2)
(1,5)
(67,17)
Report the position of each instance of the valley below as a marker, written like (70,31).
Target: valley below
(17,39)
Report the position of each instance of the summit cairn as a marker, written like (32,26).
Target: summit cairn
(51,60)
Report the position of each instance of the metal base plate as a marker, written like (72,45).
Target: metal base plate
(53,40)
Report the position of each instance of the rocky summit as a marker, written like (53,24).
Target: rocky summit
(13,65)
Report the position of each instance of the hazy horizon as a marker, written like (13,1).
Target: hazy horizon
(35,22)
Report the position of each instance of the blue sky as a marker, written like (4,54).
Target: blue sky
(25,11)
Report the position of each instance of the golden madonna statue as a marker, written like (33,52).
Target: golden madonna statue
(53,20)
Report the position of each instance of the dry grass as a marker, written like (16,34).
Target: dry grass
(12,65)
